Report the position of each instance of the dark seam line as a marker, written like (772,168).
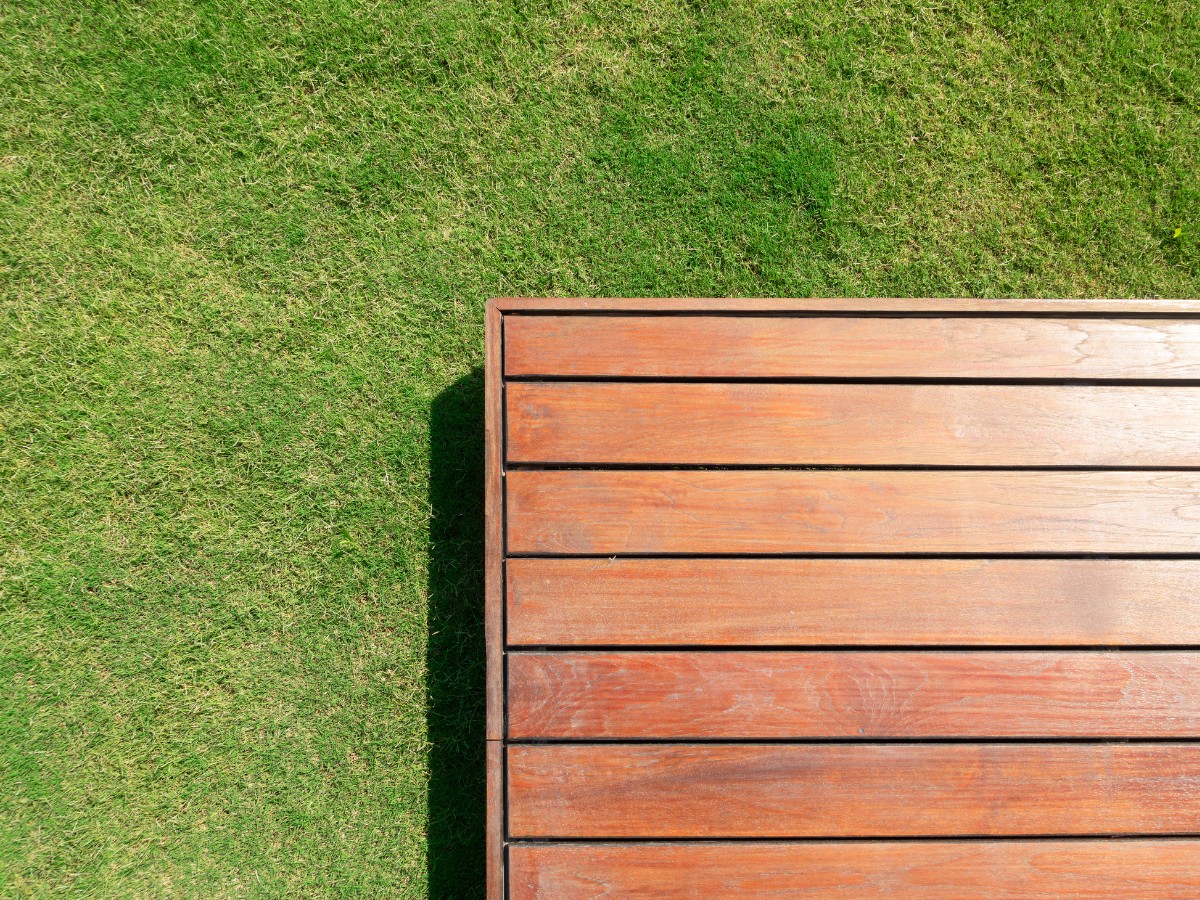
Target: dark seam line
(503,595)
(1116,315)
(534,649)
(865,740)
(504,811)
(503,591)
(1033,554)
(547,466)
(875,839)
(918,380)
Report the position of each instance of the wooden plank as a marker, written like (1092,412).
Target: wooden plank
(851,347)
(1146,869)
(852,790)
(494,523)
(494,866)
(976,694)
(493,616)
(873,602)
(852,424)
(866,305)
(619,512)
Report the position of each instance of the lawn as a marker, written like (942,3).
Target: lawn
(244,252)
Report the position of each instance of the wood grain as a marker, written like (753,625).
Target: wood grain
(851,347)
(494,523)
(494,875)
(618,512)
(873,602)
(936,870)
(989,743)
(979,694)
(852,424)
(852,790)
(1016,306)
(494,605)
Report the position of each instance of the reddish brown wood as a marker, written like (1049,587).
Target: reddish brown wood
(934,870)
(973,602)
(917,747)
(494,873)
(494,600)
(494,523)
(690,694)
(606,512)
(852,347)
(852,790)
(852,424)
(866,305)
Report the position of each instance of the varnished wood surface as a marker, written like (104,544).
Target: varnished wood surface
(756,694)
(852,424)
(494,525)
(619,512)
(852,790)
(934,870)
(1062,703)
(890,305)
(851,347)
(493,627)
(494,875)
(972,602)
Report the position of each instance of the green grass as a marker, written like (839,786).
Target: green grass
(244,251)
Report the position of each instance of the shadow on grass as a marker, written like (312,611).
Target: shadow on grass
(455,680)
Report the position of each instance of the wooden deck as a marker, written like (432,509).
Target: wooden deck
(841,599)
